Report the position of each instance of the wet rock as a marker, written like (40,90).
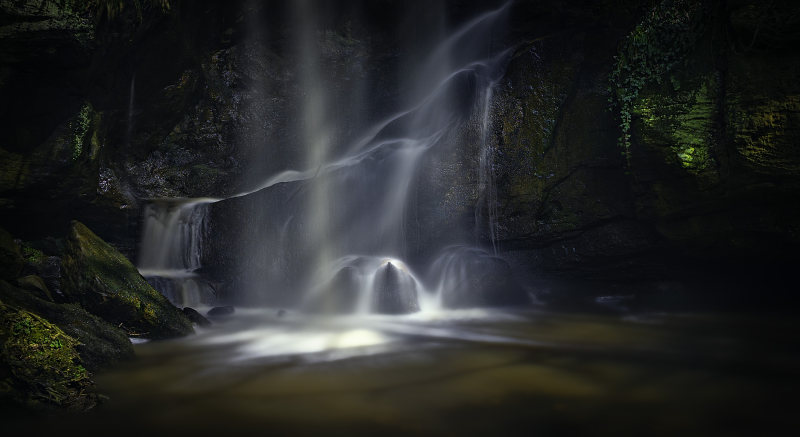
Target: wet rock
(101,343)
(104,282)
(10,258)
(473,278)
(41,365)
(196,317)
(221,311)
(395,291)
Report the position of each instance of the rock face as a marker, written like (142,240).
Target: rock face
(39,363)
(709,178)
(103,281)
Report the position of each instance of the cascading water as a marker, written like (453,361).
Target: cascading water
(346,234)
(171,250)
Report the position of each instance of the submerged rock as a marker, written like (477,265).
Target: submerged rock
(221,311)
(395,291)
(196,317)
(101,343)
(39,363)
(104,282)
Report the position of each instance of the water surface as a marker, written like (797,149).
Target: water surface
(470,372)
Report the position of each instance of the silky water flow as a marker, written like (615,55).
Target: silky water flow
(350,222)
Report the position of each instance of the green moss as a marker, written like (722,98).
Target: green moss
(101,342)
(33,256)
(679,116)
(44,366)
(103,281)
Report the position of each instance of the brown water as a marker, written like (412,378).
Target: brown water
(462,373)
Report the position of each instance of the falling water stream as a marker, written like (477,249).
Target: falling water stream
(353,210)
(377,342)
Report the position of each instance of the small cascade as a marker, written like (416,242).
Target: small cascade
(171,248)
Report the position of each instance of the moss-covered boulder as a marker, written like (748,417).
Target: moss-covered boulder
(105,283)
(101,343)
(10,256)
(39,363)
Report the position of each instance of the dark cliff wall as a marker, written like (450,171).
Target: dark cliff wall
(100,114)
(709,182)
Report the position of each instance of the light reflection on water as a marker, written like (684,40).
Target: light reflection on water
(471,372)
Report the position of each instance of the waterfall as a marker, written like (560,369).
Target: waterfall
(336,235)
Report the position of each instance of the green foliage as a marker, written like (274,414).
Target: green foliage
(80,126)
(657,45)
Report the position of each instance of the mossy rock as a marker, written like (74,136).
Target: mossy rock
(36,286)
(105,283)
(101,343)
(39,363)
(10,257)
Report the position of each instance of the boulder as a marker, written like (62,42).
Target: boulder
(104,282)
(39,363)
(395,291)
(101,343)
(196,317)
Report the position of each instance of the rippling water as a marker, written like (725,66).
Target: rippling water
(458,373)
